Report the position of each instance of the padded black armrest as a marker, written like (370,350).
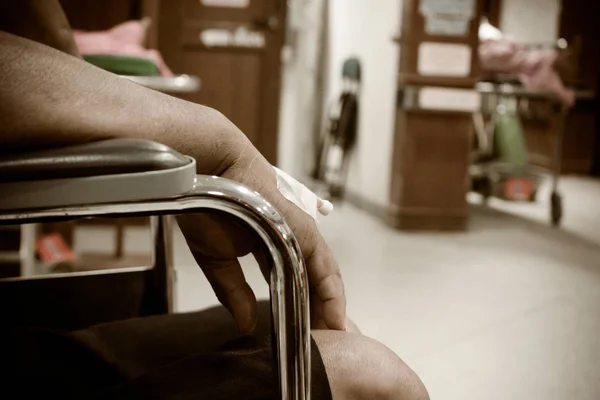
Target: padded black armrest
(108,157)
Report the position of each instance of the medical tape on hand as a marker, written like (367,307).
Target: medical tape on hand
(301,196)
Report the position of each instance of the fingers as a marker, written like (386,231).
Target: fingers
(316,314)
(324,274)
(229,284)
(216,241)
(264,261)
(326,279)
(329,298)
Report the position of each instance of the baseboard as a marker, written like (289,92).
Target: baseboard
(407,219)
(568,165)
(440,223)
(367,205)
(428,219)
(577,166)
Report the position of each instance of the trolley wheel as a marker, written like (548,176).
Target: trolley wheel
(485,189)
(335,160)
(336,192)
(533,196)
(556,211)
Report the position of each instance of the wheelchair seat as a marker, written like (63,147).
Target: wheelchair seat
(98,172)
(109,157)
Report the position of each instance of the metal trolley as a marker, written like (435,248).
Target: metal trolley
(509,181)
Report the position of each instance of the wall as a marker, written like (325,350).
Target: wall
(362,28)
(365,28)
(300,90)
(531,20)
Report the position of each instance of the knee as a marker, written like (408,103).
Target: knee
(361,368)
(381,374)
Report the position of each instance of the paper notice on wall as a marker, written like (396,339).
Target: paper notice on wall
(436,98)
(446,27)
(226,3)
(240,37)
(444,59)
(447,17)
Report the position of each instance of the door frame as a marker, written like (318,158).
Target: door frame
(272,77)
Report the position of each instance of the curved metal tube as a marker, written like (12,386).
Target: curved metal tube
(171,84)
(289,280)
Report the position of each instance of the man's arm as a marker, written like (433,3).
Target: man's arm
(48,98)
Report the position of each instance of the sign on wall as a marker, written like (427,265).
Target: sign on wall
(447,17)
(240,37)
(226,3)
(444,59)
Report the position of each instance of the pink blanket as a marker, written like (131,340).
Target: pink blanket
(124,39)
(535,68)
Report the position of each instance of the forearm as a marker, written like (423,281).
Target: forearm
(48,98)
(42,21)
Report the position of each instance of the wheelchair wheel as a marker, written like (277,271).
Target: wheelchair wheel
(334,171)
(556,208)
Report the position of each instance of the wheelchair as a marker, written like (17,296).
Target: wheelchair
(122,178)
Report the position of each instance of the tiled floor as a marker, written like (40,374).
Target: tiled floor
(508,310)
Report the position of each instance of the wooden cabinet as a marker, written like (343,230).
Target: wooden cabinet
(433,138)
(430,170)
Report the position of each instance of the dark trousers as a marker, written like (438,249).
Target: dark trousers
(196,355)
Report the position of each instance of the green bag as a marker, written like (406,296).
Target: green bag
(509,142)
(123,65)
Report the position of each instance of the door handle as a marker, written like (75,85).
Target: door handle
(269,23)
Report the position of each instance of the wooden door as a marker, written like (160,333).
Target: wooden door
(95,15)
(234,46)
